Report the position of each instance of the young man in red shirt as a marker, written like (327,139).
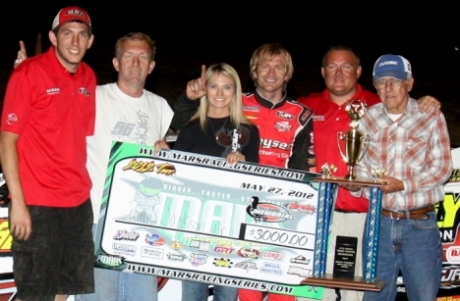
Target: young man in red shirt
(48,112)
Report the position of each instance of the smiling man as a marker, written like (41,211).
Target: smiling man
(414,149)
(48,113)
(341,69)
(125,112)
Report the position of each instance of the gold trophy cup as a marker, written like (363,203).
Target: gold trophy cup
(356,143)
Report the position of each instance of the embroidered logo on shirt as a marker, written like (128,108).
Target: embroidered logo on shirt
(11,118)
(252,108)
(83,91)
(283,126)
(270,143)
(305,116)
(52,91)
(284,115)
(319,118)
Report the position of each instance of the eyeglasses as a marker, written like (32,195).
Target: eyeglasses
(394,82)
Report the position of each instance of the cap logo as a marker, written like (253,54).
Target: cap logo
(75,12)
(388,63)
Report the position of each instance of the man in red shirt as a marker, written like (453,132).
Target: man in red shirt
(341,69)
(48,112)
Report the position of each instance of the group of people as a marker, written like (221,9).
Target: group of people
(57,127)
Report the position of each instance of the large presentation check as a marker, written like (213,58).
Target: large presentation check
(193,217)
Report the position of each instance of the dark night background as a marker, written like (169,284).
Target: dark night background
(191,34)
(195,33)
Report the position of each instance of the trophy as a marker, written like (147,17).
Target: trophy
(356,143)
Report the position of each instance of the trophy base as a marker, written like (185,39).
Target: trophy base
(356,283)
(343,180)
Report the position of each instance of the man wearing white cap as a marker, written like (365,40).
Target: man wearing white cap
(48,112)
(414,150)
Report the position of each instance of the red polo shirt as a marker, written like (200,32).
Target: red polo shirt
(52,111)
(328,120)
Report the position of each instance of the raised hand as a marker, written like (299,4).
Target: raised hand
(22,55)
(197,87)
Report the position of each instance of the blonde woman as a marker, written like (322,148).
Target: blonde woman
(219,129)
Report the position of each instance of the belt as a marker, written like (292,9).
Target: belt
(416,213)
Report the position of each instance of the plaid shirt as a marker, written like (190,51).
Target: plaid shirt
(414,149)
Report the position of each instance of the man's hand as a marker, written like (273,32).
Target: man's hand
(159,145)
(22,55)
(428,103)
(350,186)
(390,184)
(20,221)
(197,88)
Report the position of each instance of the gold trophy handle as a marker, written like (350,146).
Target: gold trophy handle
(365,139)
(340,137)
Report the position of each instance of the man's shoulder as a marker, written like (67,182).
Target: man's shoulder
(314,100)
(371,98)
(374,112)
(153,96)
(157,101)
(104,86)
(249,98)
(105,89)
(378,107)
(248,95)
(112,89)
(295,103)
(312,97)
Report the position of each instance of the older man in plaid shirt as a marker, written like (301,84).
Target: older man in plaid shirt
(414,149)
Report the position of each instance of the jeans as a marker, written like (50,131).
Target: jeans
(197,291)
(119,286)
(414,247)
